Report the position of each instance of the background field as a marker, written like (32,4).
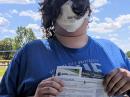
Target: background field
(2,70)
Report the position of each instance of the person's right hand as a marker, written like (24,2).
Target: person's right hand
(50,87)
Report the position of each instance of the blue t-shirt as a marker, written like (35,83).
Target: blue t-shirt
(39,59)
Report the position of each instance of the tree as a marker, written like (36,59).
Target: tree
(6,45)
(128,54)
(24,35)
(9,45)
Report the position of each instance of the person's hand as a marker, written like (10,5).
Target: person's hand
(50,87)
(117,82)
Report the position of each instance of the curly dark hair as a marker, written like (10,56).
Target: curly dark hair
(50,10)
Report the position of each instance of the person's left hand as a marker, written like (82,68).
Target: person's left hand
(117,82)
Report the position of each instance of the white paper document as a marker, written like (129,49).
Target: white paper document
(78,86)
(82,87)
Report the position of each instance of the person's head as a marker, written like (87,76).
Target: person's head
(65,17)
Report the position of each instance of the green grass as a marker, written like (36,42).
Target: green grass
(2,70)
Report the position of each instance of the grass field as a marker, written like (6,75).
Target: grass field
(2,70)
(3,66)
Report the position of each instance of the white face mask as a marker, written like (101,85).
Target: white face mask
(67,20)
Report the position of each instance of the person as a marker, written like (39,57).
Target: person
(32,70)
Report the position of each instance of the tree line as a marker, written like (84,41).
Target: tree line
(8,46)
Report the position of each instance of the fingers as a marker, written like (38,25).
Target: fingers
(53,79)
(59,81)
(50,87)
(48,91)
(122,90)
(109,77)
(52,84)
(113,81)
(117,86)
(117,82)
(49,96)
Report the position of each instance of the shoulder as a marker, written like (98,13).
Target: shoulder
(37,44)
(32,46)
(104,43)
(33,43)
(107,46)
(115,54)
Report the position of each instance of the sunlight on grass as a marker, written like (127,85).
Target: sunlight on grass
(2,70)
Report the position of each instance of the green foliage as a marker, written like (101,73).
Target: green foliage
(6,45)
(24,35)
(128,54)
